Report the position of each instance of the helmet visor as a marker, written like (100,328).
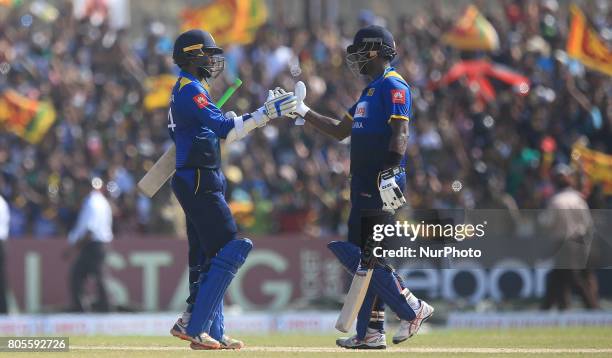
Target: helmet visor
(209,60)
(358,56)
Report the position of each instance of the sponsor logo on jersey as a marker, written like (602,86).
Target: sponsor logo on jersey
(361,111)
(398,96)
(371,92)
(357,125)
(200,100)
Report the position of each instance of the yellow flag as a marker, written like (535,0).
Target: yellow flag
(596,165)
(229,21)
(585,45)
(472,32)
(27,118)
(159,89)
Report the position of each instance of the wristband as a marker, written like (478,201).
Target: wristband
(392,159)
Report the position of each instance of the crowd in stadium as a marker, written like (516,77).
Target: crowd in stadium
(463,152)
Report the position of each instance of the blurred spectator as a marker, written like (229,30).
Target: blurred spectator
(94,229)
(285,178)
(4,232)
(571,225)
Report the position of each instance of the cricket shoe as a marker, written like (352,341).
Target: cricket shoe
(408,329)
(374,339)
(202,341)
(228,342)
(179,330)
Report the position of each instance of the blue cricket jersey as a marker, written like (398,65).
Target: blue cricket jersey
(385,99)
(196,125)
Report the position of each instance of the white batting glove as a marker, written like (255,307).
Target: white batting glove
(300,93)
(260,116)
(302,108)
(281,104)
(230,115)
(390,193)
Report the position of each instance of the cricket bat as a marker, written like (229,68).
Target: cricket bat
(354,299)
(165,166)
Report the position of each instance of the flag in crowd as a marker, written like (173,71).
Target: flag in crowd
(158,91)
(472,32)
(229,21)
(10,3)
(597,166)
(585,44)
(27,118)
(478,73)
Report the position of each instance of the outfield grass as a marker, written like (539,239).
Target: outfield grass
(436,343)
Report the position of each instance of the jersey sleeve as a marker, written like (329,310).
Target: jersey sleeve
(207,113)
(396,99)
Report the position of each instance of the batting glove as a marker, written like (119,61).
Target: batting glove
(260,116)
(390,193)
(280,105)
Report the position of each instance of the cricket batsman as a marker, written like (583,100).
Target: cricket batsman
(378,126)
(197,126)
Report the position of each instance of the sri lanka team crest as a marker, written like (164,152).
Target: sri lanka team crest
(398,96)
(200,100)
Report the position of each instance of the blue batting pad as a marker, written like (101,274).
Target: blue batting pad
(365,312)
(387,287)
(217,329)
(385,283)
(348,254)
(223,268)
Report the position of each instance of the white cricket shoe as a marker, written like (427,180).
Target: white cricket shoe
(374,339)
(408,329)
(202,341)
(228,342)
(179,330)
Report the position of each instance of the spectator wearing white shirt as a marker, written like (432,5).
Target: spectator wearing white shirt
(4,232)
(94,229)
(571,224)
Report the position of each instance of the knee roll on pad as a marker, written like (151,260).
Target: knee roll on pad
(222,270)
(348,254)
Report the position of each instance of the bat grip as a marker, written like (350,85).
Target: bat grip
(229,92)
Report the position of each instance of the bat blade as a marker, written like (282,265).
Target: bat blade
(159,173)
(353,301)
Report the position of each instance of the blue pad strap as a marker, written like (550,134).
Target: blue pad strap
(223,268)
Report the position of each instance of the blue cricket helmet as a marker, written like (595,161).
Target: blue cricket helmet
(199,47)
(369,42)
